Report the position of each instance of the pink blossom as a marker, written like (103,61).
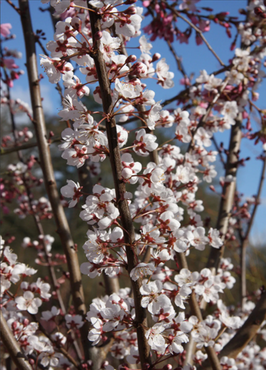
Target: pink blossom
(5,29)
(10,64)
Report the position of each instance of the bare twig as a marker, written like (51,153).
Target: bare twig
(178,60)
(249,329)
(199,32)
(13,149)
(218,150)
(13,6)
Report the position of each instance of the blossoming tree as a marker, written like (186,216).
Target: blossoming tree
(168,316)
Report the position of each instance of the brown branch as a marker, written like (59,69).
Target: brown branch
(12,346)
(126,220)
(13,149)
(13,6)
(178,60)
(246,333)
(218,150)
(227,198)
(245,238)
(37,220)
(199,32)
(48,173)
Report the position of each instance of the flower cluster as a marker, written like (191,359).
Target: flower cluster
(145,226)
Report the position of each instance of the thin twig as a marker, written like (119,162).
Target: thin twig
(218,150)
(199,32)
(13,6)
(178,60)
(13,149)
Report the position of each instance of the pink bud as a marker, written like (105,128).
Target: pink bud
(131,59)
(146,3)
(131,10)
(98,35)
(155,57)
(255,96)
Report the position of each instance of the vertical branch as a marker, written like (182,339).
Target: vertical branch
(126,220)
(12,346)
(227,198)
(48,173)
(244,238)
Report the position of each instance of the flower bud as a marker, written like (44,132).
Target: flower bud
(131,10)
(155,57)
(98,35)
(131,59)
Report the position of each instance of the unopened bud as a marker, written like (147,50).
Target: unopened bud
(14,325)
(131,59)
(131,10)
(155,57)
(26,322)
(168,367)
(242,11)
(98,35)
(129,2)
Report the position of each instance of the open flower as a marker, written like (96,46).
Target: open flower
(28,303)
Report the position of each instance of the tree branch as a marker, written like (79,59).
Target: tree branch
(245,334)
(48,173)
(126,220)
(198,32)
(227,198)
(244,238)
(12,346)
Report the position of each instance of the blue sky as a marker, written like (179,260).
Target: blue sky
(195,58)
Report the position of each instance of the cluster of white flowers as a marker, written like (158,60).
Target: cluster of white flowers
(164,205)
